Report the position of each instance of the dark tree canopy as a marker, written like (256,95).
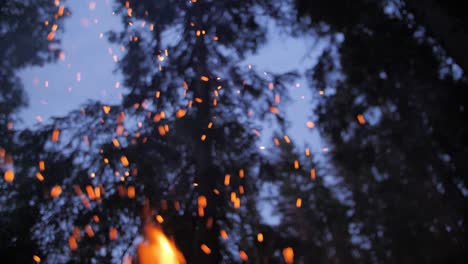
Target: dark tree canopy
(184,141)
(182,151)
(394,109)
(27,37)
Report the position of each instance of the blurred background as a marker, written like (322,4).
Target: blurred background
(246,131)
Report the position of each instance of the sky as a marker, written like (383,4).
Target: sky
(88,73)
(88,70)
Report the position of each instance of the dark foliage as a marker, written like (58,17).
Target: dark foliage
(404,161)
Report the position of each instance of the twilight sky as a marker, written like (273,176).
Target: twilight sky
(87,72)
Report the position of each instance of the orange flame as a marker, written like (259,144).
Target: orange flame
(158,249)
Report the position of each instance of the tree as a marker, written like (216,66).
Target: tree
(184,140)
(28,38)
(393,109)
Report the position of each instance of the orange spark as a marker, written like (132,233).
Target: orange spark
(106,109)
(39,176)
(55,135)
(89,231)
(288,255)
(131,192)
(160,219)
(41,165)
(260,237)
(227,179)
(115,142)
(243,255)
(223,234)
(72,243)
(113,233)
(60,11)
(296,164)
(124,161)
(277,143)
(9,175)
(237,203)
(361,119)
(180,113)
(312,174)
(90,191)
(298,202)
(202,201)
(55,191)
(50,36)
(205,249)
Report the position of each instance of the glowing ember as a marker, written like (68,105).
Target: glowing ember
(55,135)
(124,161)
(243,255)
(9,176)
(41,165)
(260,237)
(205,249)
(298,202)
(39,176)
(113,233)
(361,119)
(223,234)
(72,243)
(288,255)
(55,191)
(180,113)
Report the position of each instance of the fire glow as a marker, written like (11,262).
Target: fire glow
(157,248)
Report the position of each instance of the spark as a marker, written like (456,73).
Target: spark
(361,119)
(124,161)
(55,191)
(243,255)
(205,249)
(298,202)
(113,233)
(9,175)
(288,255)
(223,234)
(312,174)
(55,135)
(260,237)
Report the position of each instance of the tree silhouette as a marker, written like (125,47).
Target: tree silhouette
(28,33)
(393,107)
(184,141)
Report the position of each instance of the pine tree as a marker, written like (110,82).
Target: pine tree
(393,106)
(28,34)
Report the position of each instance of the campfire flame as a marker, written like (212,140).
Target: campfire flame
(157,248)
